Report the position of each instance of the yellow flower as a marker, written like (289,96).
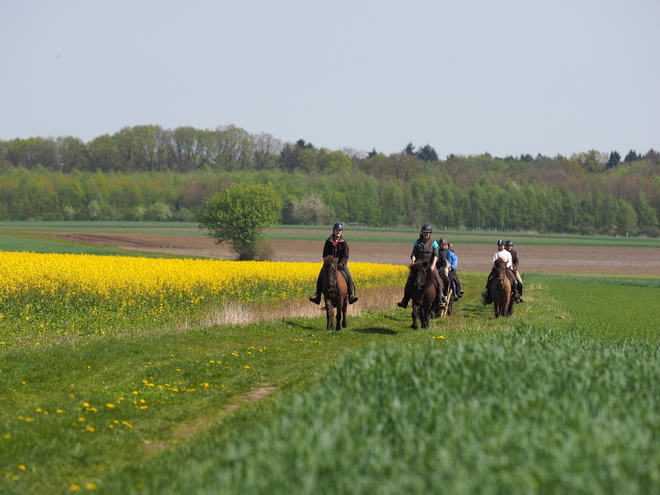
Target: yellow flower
(74,488)
(110,405)
(89,428)
(21,467)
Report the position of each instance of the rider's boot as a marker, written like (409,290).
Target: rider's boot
(403,303)
(316,298)
(352,298)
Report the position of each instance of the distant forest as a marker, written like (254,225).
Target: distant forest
(151,173)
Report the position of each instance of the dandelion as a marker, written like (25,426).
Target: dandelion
(21,467)
(90,429)
(91,486)
(74,488)
(110,405)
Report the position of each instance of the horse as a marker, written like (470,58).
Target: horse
(501,291)
(422,293)
(335,293)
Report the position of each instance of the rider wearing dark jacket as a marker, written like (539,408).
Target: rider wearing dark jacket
(337,247)
(424,249)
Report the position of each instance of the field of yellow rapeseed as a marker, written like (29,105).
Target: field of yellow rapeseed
(84,293)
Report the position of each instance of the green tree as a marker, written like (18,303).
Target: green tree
(427,154)
(626,219)
(613,160)
(646,214)
(238,214)
(409,150)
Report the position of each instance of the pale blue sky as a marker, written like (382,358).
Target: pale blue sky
(467,77)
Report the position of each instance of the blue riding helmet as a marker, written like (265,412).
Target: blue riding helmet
(338,226)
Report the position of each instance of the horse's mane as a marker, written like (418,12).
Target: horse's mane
(328,260)
(418,265)
(500,263)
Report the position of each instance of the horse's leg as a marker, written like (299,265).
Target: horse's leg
(414,318)
(329,314)
(344,322)
(426,314)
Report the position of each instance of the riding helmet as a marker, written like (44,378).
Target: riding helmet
(426,228)
(509,243)
(338,226)
(501,242)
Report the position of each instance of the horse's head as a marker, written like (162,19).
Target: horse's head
(330,271)
(418,271)
(500,266)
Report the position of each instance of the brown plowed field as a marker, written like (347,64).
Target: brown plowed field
(472,257)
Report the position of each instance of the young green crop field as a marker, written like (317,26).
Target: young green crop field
(562,398)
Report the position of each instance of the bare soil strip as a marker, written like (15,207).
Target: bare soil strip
(472,257)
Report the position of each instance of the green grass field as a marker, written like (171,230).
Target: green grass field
(562,398)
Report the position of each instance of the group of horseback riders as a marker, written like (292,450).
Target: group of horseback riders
(443,262)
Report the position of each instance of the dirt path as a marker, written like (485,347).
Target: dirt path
(472,257)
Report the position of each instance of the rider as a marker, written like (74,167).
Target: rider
(452,259)
(505,255)
(514,261)
(424,249)
(444,264)
(336,246)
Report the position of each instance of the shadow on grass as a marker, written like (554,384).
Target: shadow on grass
(299,325)
(379,330)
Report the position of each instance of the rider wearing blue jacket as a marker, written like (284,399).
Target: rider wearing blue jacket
(424,249)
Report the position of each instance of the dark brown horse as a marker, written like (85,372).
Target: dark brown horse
(335,293)
(501,291)
(422,294)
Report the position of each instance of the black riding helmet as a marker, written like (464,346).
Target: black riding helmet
(427,228)
(338,226)
(501,243)
(509,243)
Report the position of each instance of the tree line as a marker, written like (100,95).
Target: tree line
(316,199)
(149,173)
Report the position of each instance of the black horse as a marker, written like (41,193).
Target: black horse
(335,293)
(423,292)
